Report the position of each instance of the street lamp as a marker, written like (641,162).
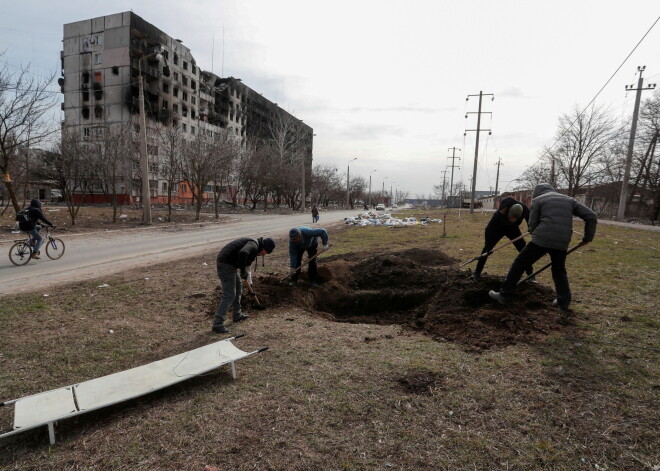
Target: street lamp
(383,192)
(144,158)
(370,203)
(391,201)
(348,180)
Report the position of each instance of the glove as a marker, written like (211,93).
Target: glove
(326,247)
(244,275)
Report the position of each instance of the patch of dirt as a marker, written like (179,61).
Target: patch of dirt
(423,290)
(420,382)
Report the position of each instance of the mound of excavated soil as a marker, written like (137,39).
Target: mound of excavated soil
(421,289)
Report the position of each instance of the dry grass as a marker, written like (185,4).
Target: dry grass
(331,395)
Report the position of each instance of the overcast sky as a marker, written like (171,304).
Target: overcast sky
(386,81)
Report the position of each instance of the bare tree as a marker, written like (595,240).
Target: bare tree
(356,191)
(198,161)
(227,149)
(67,167)
(110,160)
(24,104)
(584,138)
(171,142)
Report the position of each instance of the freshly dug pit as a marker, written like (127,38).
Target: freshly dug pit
(423,290)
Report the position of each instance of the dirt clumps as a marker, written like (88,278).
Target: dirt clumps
(421,289)
(420,382)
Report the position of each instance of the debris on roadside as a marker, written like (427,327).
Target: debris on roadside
(386,219)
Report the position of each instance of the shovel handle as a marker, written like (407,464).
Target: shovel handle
(310,260)
(545,267)
(486,254)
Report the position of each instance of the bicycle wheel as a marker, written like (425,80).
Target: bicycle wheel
(20,253)
(54,248)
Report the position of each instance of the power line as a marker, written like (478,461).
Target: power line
(548,149)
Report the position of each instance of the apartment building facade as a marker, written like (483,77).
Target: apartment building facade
(101,62)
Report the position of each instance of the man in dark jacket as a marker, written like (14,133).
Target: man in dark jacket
(236,255)
(32,227)
(505,222)
(551,225)
(304,239)
(315,214)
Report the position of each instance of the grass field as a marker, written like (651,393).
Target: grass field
(345,396)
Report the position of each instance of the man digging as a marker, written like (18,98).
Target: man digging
(551,226)
(505,222)
(235,258)
(304,239)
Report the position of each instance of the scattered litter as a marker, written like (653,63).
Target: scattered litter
(161,219)
(205,264)
(111,331)
(46,295)
(18,232)
(104,285)
(386,219)
(123,216)
(146,278)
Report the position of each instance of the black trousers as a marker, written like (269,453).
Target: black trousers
(313,271)
(492,237)
(530,254)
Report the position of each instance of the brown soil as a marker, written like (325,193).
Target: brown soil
(420,289)
(424,383)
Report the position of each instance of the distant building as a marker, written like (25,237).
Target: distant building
(100,61)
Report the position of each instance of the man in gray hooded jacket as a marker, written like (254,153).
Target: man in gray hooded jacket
(551,226)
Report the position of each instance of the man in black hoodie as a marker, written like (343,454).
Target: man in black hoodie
(551,225)
(236,255)
(505,222)
(31,226)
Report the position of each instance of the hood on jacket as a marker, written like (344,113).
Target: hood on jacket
(35,203)
(542,189)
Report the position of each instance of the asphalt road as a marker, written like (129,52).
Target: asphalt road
(96,254)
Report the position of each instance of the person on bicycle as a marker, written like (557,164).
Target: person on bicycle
(32,226)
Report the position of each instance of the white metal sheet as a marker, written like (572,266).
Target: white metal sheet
(44,407)
(117,387)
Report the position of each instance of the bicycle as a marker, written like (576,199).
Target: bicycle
(21,252)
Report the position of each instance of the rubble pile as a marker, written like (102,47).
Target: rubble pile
(386,219)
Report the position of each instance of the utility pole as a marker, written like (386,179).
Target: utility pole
(370,202)
(497,179)
(453,165)
(144,161)
(444,183)
(476,147)
(348,180)
(552,171)
(623,199)
(383,192)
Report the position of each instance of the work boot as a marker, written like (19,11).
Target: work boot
(475,276)
(35,255)
(533,280)
(497,296)
(240,318)
(220,330)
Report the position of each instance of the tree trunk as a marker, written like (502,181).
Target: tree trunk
(12,194)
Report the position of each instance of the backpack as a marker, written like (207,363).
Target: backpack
(23,216)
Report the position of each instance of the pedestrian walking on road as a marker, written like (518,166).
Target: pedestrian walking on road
(304,239)
(505,222)
(551,225)
(233,265)
(315,214)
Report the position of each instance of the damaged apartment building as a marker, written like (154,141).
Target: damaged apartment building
(101,59)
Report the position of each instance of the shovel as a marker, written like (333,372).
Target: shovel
(310,260)
(251,291)
(486,254)
(544,267)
